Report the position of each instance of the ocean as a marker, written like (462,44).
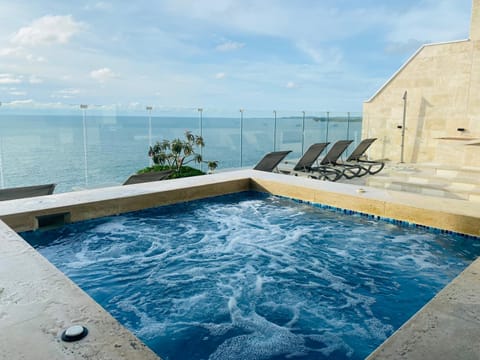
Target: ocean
(79,151)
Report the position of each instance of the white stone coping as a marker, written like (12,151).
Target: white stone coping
(117,192)
(38,302)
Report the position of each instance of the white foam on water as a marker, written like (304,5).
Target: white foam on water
(263,340)
(147,327)
(83,257)
(377,329)
(370,283)
(258,285)
(332,343)
(217,329)
(190,305)
(113,226)
(275,277)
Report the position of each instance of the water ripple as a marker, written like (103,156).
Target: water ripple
(251,276)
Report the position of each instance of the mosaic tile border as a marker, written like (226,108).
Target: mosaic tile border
(402,223)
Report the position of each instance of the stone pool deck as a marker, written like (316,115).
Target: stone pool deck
(37,301)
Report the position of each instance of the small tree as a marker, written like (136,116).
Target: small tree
(177,153)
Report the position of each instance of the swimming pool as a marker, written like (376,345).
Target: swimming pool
(251,276)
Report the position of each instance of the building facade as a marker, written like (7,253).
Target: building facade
(437,91)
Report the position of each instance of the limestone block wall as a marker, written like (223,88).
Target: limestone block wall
(443,94)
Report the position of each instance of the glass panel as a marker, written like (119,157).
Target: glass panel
(315,128)
(41,145)
(80,147)
(258,134)
(117,144)
(289,133)
(354,130)
(337,123)
(221,133)
(170,124)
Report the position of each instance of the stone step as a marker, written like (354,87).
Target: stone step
(469,192)
(447,172)
(459,183)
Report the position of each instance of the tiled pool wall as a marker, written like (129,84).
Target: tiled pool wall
(455,216)
(29,282)
(401,223)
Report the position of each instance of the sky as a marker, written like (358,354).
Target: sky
(303,55)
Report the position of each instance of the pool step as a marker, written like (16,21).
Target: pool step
(430,179)
(431,169)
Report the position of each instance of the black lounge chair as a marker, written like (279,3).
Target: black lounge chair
(26,192)
(270,161)
(148,177)
(311,155)
(367,166)
(330,169)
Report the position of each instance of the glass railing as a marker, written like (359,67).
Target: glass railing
(89,146)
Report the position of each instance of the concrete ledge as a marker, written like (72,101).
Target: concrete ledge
(448,327)
(22,214)
(37,301)
(447,214)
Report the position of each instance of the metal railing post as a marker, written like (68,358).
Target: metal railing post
(326,132)
(303,131)
(2,180)
(149,110)
(200,125)
(348,125)
(85,159)
(402,146)
(241,137)
(274,130)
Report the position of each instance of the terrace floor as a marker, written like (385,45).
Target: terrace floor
(430,179)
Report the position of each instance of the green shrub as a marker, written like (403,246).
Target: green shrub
(185,171)
(175,154)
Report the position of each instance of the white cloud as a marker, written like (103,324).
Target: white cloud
(220,75)
(432,20)
(284,19)
(16,51)
(31,57)
(48,30)
(21,102)
(291,85)
(315,54)
(20,52)
(102,75)
(9,79)
(35,80)
(100,5)
(15,92)
(66,93)
(33,104)
(320,56)
(229,46)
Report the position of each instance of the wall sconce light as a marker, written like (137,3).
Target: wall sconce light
(399,126)
(461,129)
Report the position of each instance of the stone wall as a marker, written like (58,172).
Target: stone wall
(442,82)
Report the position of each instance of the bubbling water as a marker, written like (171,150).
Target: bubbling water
(251,276)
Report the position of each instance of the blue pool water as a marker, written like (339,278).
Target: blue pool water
(252,276)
